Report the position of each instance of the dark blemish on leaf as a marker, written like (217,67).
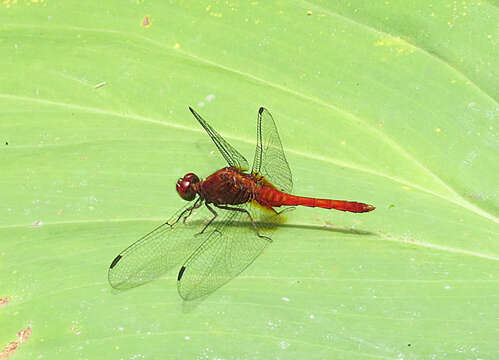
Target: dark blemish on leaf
(37,223)
(475,196)
(4,301)
(23,335)
(6,143)
(11,347)
(146,22)
(9,350)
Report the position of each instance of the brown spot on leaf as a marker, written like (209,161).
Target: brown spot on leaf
(475,196)
(23,335)
(9,350)
(4,301)
(13,346)
(146,22)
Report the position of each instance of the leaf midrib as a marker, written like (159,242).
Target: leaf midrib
(458,200)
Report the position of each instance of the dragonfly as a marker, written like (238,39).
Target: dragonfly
(227,221)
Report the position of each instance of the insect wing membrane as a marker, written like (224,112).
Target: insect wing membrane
(270,160)
(230,248)
(231,155)
(154,254)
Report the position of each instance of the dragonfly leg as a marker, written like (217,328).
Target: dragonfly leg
(196,205)
(249,215)
(291,208)
(215,214)
(189,211)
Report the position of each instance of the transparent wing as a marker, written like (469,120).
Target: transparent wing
(231,155)
(270,160)
(228,250)
(166,246)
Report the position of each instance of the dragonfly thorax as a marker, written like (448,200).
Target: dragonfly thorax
(185,187)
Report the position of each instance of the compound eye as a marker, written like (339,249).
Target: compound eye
(185,188)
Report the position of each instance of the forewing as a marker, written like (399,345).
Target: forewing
(231,155)
(229,249)
(270,160)
(154,254)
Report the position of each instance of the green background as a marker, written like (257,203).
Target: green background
(389,103)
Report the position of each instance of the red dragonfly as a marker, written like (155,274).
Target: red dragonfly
(222,230)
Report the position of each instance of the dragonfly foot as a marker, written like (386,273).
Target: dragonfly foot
(264,237)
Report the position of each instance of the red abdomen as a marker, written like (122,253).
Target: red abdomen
(270,197)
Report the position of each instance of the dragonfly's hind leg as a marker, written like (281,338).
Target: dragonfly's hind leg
(249,215)
(290,208)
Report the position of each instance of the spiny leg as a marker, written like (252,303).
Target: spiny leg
(249,215)
(215,214)
(196,205)
(291,208)
(189,210)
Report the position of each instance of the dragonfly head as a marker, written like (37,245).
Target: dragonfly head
(185,188)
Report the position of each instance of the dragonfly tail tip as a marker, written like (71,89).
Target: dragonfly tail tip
(370,208)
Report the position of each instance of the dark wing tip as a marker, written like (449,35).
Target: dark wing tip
(180,273)
(115,261)
(261,110)
(192,110)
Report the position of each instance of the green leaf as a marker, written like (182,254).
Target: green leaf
(389,103)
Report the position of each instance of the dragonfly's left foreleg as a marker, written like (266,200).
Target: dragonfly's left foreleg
(224,207)
(187,212)
(196,205)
